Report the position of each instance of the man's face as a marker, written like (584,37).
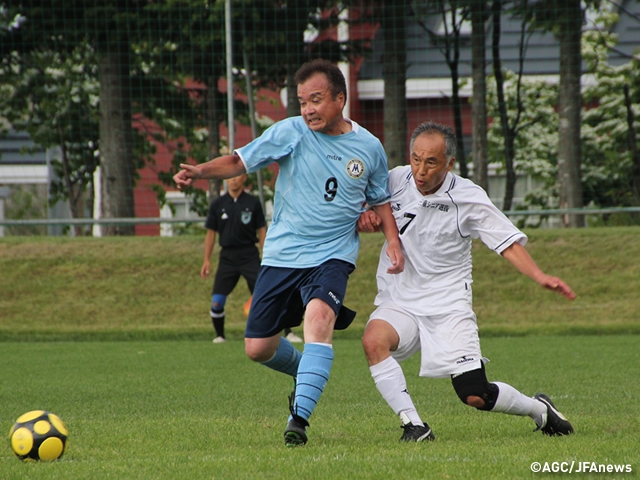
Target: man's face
(429,163)
(320,110)
(236,184)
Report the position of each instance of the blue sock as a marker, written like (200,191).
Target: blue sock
(286,358)
(313,374)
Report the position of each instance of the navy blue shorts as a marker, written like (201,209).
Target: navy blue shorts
(281,295)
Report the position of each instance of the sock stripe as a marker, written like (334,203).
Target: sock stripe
(316,374)
(303,412)
(308,385)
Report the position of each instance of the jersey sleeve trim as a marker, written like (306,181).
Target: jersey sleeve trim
(518,237)
(244,162)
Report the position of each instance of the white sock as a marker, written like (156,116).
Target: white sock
(512,402)
(391,384)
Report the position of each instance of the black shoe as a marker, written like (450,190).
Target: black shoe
(556,423)
(416,433)
(295,434)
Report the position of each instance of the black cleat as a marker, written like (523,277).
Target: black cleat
(295,434)
(416,433)
(556,423)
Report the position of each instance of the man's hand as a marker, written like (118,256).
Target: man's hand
(394,252)
(556,285)
(185,177)
(369,222)
(204,271)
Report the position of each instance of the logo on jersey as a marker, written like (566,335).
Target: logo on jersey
(337,158)
(464,359)
(245,217)
(395,206)
(224,215)
(438,206)
(355,168)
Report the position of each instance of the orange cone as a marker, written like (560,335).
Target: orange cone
(247,306)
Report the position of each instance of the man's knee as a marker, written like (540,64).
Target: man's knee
(217,303)
(320,314)
(474,389)
(260,349)
(378,341)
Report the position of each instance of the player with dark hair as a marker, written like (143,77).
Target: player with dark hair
(238,219)
(428,307)
(329,167)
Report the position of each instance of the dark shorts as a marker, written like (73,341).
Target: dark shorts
(281,295)
(234,263)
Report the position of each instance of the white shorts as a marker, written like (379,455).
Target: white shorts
(449,342)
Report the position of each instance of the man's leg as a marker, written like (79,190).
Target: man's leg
(380,338)
(217,316)
(317,357)
(227,277)
(313,370)
(279,353)
(473,389)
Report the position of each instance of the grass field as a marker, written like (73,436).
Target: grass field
(191,409)
(113,335)
(150,288)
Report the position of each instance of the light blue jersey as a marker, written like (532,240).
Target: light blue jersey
(324,181)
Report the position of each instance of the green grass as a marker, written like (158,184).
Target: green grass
(150,288)
(168,404)
(191,409)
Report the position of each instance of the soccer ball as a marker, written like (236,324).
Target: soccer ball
(38,435)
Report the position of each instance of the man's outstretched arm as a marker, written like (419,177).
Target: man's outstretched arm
(520,258)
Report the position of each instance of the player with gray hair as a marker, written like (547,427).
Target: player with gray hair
(428,307)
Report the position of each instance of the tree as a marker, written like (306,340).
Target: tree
(53,96)
(611,163)
(478,102)
(394,73)
(608,134)
(565,18)
(510,127)
(116,136)
(391,17)
(569,108)
(452,18)
(107,28)
(283,47)
(535,149)
(181,90)
(273,32)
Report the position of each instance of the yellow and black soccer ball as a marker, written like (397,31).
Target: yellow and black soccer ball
(38,435)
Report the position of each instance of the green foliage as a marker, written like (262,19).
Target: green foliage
(174,73)
(26,202)
(190,409)
(607,163)
(536,143)
(53,95)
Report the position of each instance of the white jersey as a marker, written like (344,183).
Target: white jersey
(437,231)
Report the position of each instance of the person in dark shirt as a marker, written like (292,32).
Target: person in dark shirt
(238,219)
